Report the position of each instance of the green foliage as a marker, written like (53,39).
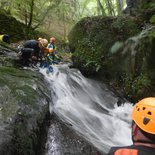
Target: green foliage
(15,29)
(152,19)
(93,65)
(65,56)
(45,15)
(88,55)
(151,5)
(93,38)
(127,25)
(134,87)
(25,93)
(147,4)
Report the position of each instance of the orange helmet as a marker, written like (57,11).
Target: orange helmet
(144,114)
(52,39)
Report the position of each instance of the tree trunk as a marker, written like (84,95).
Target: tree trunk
(110,8)
(120,6)
(31,13)
(100,8)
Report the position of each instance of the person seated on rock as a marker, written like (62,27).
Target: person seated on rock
(31,52)
(143,130)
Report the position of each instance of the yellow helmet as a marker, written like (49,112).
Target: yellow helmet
(4,38)
(43,42)
(39,38)
(144,114)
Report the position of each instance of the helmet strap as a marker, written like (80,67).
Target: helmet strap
(144,141)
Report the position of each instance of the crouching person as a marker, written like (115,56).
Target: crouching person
(31,52)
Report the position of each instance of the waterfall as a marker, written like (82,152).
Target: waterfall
(89,107)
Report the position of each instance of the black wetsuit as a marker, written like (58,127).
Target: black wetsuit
(132,150)
(30,48)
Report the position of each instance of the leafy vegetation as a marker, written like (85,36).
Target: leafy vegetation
(56,17)
(91,37)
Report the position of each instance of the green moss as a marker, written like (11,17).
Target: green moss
(3,82)
(152,19)
(93,37)
(22,90)
(16,72)
(136,87)
(28,96)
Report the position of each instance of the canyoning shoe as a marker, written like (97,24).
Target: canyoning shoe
(49,70)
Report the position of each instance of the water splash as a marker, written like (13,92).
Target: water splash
(90,108)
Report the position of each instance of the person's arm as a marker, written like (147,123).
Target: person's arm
(27,50)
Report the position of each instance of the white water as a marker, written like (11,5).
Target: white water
(90,108)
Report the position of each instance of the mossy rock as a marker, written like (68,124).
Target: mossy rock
(24,106)
(118,50)
(93,37)
(133,66)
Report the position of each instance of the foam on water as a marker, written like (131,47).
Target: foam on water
(89,107)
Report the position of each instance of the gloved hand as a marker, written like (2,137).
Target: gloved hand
(34,58)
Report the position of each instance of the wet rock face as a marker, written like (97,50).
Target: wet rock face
(92,38)
(63,140)
(24,100)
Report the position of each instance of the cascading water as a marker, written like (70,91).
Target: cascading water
(89,107)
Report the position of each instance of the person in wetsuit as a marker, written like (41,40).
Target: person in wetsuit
(143,130)
(31,51)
